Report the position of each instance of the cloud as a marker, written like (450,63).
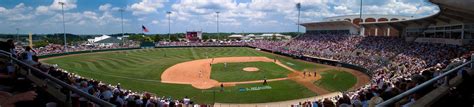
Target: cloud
(283,12)
(315,10)
(2,9)
(105,7)
(146,6)
(104,17)
(86,18)
(42,10)
(204,11)
(155,22)
(235,15)
(18,13)
(55,6)
(68,4)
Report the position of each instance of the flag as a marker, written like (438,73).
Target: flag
(144,29)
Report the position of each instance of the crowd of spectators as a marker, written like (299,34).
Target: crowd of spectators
(394,64)
(113,94)
(222,43)
(56,48)
(13,88)
(110,93)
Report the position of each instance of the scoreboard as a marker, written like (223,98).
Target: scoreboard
(194,35)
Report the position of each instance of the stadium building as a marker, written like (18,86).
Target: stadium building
(453,24)
(349,24)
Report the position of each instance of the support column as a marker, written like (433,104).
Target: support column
(388,31)
(362,31)
(376,32)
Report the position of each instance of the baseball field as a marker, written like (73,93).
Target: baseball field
(199,72)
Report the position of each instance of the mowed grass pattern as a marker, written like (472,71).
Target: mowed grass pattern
(335,80)
(141,69)
(234,71)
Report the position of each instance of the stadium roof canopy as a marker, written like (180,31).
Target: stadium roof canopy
(329,24)
(343,25)
(450,10)
(236,36)
(109,40)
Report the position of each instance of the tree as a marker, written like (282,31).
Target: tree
(136,38)
(59,39)
(157,38)
(41,43)
(148,39)
(174,38)
(205,37)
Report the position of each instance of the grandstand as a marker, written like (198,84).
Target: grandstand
(397,61)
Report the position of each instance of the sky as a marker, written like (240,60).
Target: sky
(104,16)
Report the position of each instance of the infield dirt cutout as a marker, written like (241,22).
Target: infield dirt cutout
(251,69)
(198,74)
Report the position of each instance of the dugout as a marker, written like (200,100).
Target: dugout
(147,45)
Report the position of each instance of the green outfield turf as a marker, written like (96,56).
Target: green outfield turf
(235,72)
(335,80)
(141,69)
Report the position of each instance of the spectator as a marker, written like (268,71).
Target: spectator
(28,55)
(9,100)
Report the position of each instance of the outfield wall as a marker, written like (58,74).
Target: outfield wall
(86,51)
(323,61)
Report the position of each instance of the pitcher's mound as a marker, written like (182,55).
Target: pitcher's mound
(251,69)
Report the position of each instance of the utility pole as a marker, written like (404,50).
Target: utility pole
(298,6)
(169,25)
(64,26)
(217,17)
(121,16)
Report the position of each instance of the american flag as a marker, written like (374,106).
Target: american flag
(144,29)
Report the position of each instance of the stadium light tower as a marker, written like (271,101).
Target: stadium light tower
(169,25)
(360,17)
(121,16)
(217,17)
(298,6)
(64,25)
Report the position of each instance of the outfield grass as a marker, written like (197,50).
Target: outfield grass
(277,93)
(141,70)
(335,80)
(235,72)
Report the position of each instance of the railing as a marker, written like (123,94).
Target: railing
(426,84)
(50,79)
